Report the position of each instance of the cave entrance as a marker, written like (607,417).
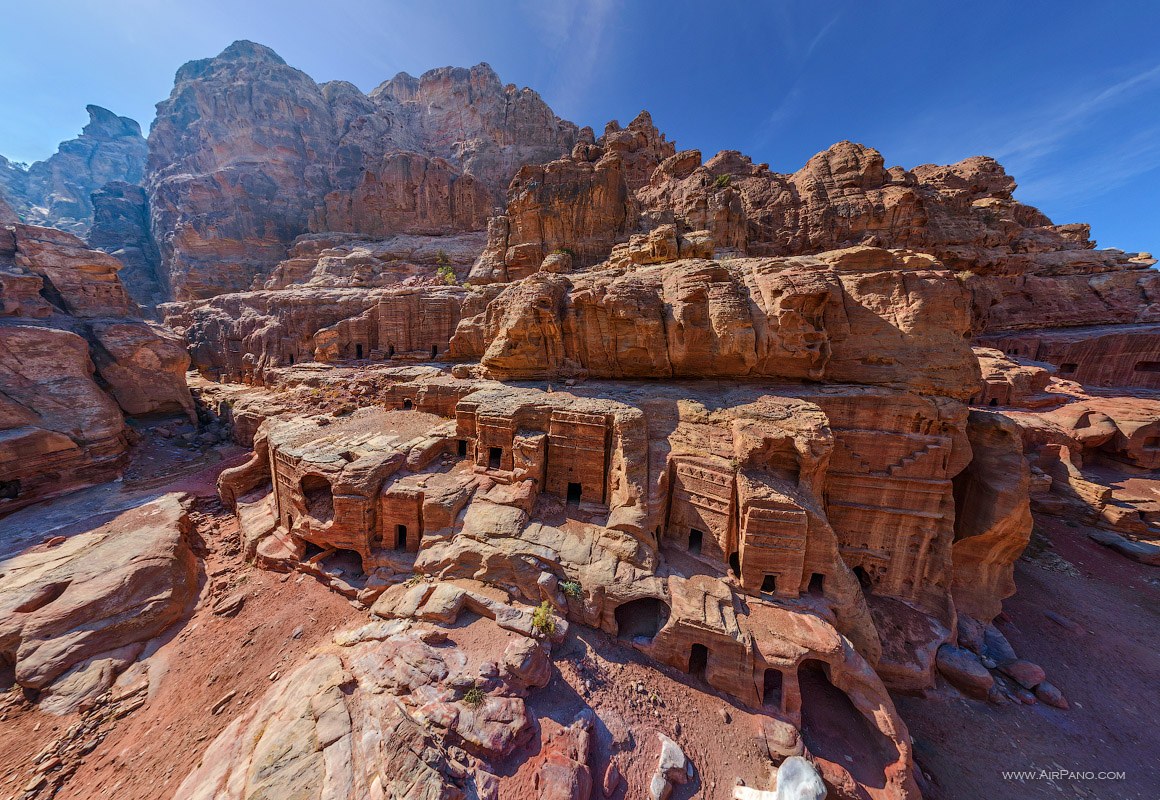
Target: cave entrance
(434,351)
(574,492)
(735,564)
(407,404)
(462,448)
(696,539)
(494,457)
(318,496)
(863,578)
(390,351)
(358,351)
(641,620)
(698,660)
(817,584)
(10,490)
(833,728)
(400,537)
(769,584)
(771,691)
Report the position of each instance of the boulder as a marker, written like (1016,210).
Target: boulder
(964,670)
(116,586)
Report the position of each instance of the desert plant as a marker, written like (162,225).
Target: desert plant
(723,181)
(446,274)
(571,588)
(543,619)
(474,697)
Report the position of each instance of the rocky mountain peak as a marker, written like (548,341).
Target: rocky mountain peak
(104,124)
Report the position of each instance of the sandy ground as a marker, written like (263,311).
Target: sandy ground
(1109,673)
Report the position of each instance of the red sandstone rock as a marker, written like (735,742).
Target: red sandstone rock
(246,131)
(74,355)
(120,584)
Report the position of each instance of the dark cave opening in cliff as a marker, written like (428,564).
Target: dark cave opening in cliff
(319,498)
(641,620)
(834,729)
(696,539)
(771,689)
(698,660)
(863,578)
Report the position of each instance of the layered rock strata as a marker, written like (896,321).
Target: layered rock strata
(248,153)
(76,357)
(57,192)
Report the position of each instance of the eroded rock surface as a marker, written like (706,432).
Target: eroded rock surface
(56,192)
(77,613)
(75,356)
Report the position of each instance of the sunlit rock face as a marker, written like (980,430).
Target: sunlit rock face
(76,357)
(245,131)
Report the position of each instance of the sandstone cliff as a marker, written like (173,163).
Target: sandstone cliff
(56,192)
(247,153)
(75,357)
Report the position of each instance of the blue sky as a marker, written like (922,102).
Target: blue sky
(1065,94)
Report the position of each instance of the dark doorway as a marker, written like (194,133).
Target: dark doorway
(434,351)
(291,357)
(407,404)
(833,728)
(735,564)
(574,492)
(769,584)
(641,619)
(494,457)
(358,351)
(817,583)
(462,448)
(9,490)
(400,537)
(771,693)
(319,499)
(391,351)
(863,578)
(696,539)
(698,660)
(994,401)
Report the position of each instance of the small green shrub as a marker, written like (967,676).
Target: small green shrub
(442,258)
(563,251)
(446,274)
(571,589)
(474,697)
(543,620)
(723,181)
